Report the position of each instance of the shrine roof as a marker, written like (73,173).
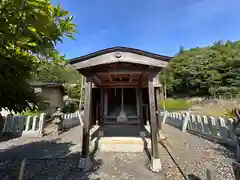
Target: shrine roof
(120,49)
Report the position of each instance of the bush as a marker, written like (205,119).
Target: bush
(30,113)
(230,113)
(176,104)
(70,107)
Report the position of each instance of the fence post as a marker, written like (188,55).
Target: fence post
(41,123)
(34,123)
(210,175)
(185,121)
(165,117)
(6,124)
(27,123)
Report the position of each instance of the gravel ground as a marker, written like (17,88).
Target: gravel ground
(192,154)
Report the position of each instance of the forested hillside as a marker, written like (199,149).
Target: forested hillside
(206,71)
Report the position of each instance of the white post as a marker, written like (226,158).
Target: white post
(27,123)
(41,123)
(34,123)
(165,117)
(185,122)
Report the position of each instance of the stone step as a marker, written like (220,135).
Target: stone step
(121,144)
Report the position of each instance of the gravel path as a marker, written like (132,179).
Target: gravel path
(192,154)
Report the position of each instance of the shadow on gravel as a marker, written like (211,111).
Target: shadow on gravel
(45,160)
(227,151)
(6,136)
(193,177)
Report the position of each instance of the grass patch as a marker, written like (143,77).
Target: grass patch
(176,104)
(216,112)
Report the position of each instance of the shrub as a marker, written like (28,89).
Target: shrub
(70,107)
(30,113)
(176,104)
(230,113)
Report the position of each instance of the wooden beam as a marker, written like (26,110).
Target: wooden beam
(119,86)
(87,118)
(96,78)
(143,74)
(153,118)
(110,78)
(131,77)
(126,67)
(117,73)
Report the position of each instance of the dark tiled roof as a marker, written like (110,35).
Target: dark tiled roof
(47,84)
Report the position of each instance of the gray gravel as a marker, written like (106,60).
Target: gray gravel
(192,154)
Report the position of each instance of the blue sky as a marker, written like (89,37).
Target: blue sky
(158,26)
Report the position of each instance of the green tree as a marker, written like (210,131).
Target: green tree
(205,71)
(51,72)
(61,73)
(29,32)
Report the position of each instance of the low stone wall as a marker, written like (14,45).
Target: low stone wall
(219,129)
(71,120)
(30,126)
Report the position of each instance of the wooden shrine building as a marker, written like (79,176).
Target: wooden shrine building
(121,87)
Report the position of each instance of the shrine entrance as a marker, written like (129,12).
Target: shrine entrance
(122,105)
(122,89)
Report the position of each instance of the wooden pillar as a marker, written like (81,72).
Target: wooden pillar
(155,159)
(101,106)
(105,104)
(158,99)
(140,107)
(162,98)
(138,104)
(86,118)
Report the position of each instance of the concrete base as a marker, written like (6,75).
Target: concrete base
(85,164)
(142,134)
(155,165)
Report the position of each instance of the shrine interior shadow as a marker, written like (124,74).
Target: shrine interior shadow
(122,131)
